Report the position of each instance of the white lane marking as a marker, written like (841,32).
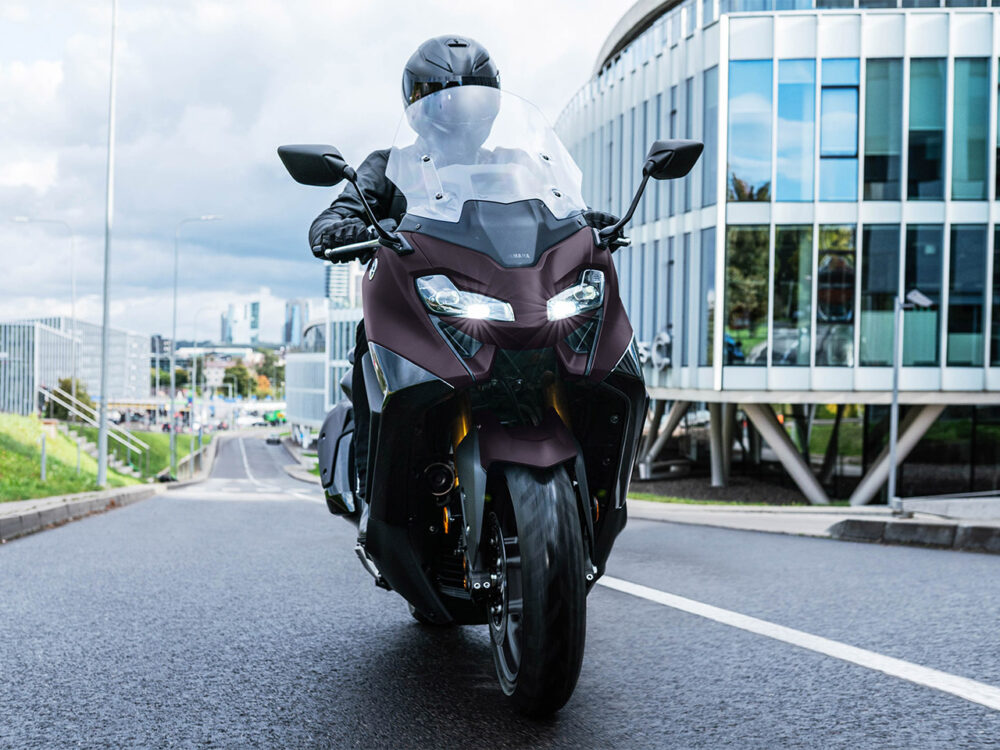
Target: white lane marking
(246,464)
(963,687)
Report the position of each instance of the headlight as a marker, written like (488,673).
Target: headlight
(586,294)
(441,296)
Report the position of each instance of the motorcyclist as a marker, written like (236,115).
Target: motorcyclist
(439,63)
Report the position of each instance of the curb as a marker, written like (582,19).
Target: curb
(921,534)
(49,512)
(297,471)
(211,451)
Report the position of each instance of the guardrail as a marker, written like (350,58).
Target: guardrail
(78,408)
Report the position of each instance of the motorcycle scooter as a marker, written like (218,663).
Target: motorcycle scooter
(504,390)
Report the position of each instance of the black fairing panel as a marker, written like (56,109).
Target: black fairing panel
(334,453)
(513,234)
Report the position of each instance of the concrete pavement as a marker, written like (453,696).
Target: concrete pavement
(855,524)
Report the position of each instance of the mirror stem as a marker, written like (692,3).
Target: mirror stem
(615,228)
(388,238)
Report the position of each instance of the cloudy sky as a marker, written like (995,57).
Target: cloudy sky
(206,91)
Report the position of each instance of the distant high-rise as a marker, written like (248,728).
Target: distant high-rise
(241,324)
(298,314)
(338,283)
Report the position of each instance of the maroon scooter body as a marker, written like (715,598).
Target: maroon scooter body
(396,319)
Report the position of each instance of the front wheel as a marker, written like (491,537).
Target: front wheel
(538,611)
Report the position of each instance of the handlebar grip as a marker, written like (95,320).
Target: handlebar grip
(346,253)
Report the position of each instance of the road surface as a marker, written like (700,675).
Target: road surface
(234,613)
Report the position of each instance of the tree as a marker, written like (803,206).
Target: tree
(66,384)
(263,385)
(239,376)
(275,372)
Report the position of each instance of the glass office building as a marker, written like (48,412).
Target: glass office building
(850,155)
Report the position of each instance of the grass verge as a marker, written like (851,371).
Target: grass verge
(159,448)
(721,503)
(20,462)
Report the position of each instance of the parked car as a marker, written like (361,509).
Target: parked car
(274,439)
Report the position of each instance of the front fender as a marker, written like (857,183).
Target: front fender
(543,446)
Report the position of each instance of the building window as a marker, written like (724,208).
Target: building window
(659,189)
(838,131)
(883,129)
(749,164)
(796,129)
(685,277)
(706,303)
(995,331)
(792,295)
(967,295)
(710,112)
(707,12)
(745,342)
(925,179)
(835,296)
(879,287)
(689,133)
(671,198)
(971,126)
(923,271)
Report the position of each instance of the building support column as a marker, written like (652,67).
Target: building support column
(659,406)
(764,419)
(832,449)
(728,430)
(717,457)
(917,421)
(677,411)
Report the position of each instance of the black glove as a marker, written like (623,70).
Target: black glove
(344,232)
(599,219)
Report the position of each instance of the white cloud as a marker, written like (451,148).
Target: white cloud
(207,90)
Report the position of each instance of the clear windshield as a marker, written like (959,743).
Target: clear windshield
(475,143)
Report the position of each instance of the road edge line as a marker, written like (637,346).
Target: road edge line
(962,687)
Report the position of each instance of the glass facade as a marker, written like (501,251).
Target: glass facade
(745,340)
(879,286)
(922,271)
(838,131)
(972,120)
(883,129)
(808,266)
(749,130)
(967,295)
(927,115)
(792,322)
(796,130)
(835,296)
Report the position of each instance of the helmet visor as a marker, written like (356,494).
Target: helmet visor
(425,87)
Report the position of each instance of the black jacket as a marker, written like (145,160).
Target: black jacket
(384,198)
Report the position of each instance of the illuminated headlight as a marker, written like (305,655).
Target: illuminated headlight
(442,297)
(586,294)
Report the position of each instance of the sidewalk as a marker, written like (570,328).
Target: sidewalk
(301,468)
(861,524)
(22,517)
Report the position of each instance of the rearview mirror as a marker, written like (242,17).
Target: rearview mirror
(671,160)
(322,166)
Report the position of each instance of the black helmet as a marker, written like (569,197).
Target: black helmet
(446,61)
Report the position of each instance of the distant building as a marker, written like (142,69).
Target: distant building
(241,324)
(343,284)
(128,357)
(298,314)
(32,355)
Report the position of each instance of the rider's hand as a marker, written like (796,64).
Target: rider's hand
(599,219)
(344,232)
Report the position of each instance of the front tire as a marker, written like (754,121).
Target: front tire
(538,617)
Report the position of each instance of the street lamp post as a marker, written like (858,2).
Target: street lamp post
(173,342)
(912,301)
(72,281)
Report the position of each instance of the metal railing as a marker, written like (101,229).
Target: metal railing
(91,416)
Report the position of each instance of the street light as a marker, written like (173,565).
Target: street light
(173,343)
(914,299)
(72,280)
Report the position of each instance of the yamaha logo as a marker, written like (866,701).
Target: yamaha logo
(371,269)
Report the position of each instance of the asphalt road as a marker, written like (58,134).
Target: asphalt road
(234,613)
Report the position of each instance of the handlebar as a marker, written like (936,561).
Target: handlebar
(346,253)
